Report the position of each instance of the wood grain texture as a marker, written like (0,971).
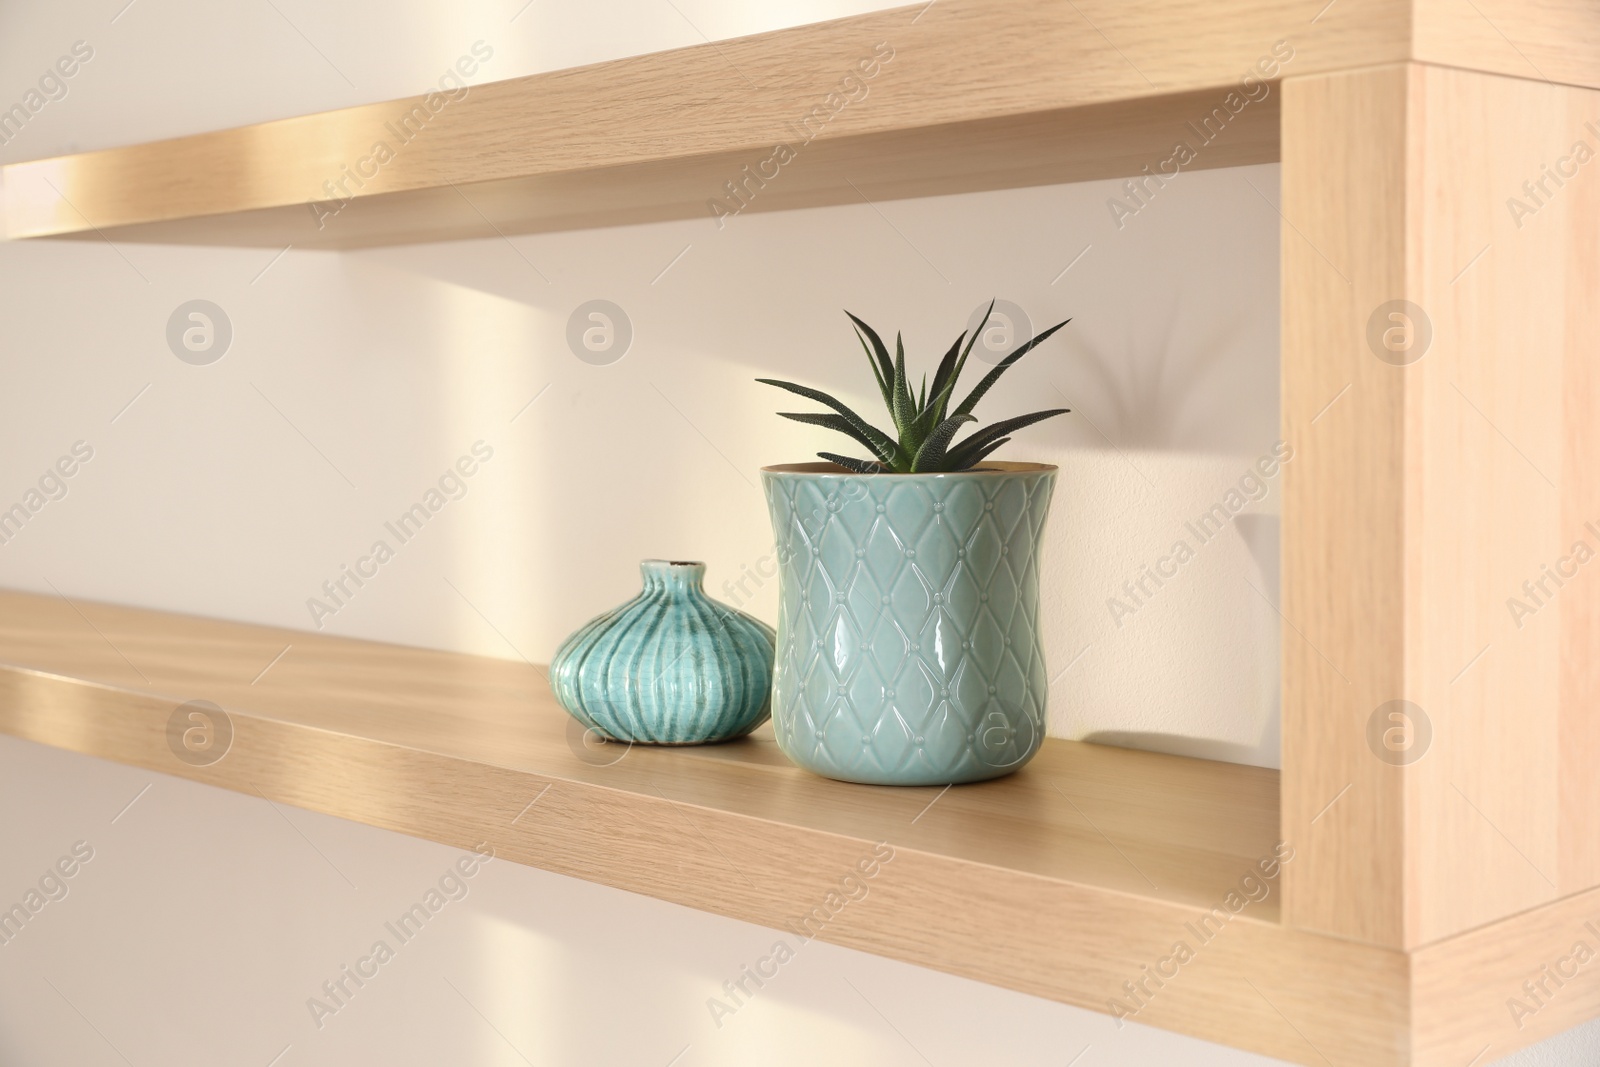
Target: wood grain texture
(1344,522)
(1503,464)
(491,711)
(1066,880)
(1079,144)
(1491,991)
(1578,842)
(1423,500)
(978,94)
(1544,40)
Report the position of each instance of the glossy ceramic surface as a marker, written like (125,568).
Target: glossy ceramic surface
(909,650)
(669,667)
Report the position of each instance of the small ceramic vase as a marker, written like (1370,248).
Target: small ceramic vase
(669,667)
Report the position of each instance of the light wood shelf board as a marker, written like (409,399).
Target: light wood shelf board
(975,94)
(1420,505)
(1186,829)
(1080,144)
(1063,880)
(654,136)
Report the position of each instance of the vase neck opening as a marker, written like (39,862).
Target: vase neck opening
(673,575)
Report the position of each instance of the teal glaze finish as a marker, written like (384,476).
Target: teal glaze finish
(669,667)
(909,650)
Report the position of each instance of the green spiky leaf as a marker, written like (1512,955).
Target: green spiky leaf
(942,393)
(930,414)
(932,451)
(880,352)
(1004,365)
(881,442)
(904,409)
(971,450)
(924,434)
(947,366)
(831,421)
(877,372)
(985,450)
(856,466)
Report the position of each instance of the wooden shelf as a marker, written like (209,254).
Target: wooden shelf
(1190,827)
(1060,880)
(1065,880)
(979,94)
(1424,892)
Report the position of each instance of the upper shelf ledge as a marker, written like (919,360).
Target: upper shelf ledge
(952,96)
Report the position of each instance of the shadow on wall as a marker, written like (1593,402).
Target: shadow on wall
(1154,392)
(1177,745)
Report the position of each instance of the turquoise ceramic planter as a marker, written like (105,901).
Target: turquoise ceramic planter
(909,650)
(669,667)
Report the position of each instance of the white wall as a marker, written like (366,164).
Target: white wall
(353,380)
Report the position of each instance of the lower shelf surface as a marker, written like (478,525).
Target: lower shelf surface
(1133,883)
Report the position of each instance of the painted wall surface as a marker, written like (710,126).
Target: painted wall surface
(350,385)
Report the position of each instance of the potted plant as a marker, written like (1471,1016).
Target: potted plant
(909,648)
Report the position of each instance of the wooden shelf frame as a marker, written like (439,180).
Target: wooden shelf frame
(978,94)
(1423,494)
(1064,880)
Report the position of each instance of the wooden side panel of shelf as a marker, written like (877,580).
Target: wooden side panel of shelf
(1428,486)
(1504,407)
(1343,193)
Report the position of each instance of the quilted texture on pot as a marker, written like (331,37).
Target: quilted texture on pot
(909,650)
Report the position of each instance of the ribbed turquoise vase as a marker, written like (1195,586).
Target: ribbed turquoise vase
(669,667)
(909,647)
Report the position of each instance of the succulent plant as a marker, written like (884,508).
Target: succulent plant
(925,424)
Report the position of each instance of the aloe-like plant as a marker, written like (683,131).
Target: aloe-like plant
(925,424)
